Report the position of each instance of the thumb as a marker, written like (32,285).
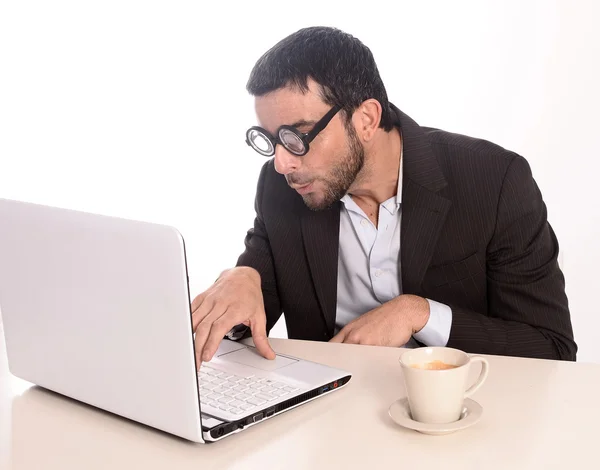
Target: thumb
(340,337)
(259,335)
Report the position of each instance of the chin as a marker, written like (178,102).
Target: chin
(316,202)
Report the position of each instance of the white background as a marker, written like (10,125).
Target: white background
(138,109)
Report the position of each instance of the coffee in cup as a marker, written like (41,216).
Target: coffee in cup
(434,365)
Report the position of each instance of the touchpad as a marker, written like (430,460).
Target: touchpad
(228,346)
(252,358)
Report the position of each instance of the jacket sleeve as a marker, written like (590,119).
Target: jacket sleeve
(528,312)
(258,255)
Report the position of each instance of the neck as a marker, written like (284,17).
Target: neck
(378,180)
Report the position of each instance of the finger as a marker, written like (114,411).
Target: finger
(218,330)
(203,330)
(259,335)
(198,354)
(356,337)
(202,311)
(198,301)
(340,337)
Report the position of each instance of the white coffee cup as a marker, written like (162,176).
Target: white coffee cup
(437,396)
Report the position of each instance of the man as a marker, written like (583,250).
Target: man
(373,230)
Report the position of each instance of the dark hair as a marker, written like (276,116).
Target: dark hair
(342,65)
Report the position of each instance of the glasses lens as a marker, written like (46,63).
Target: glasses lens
(292,142)
(260,142)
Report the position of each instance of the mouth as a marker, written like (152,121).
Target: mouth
(304,189)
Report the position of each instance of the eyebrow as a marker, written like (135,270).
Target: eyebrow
(303,122)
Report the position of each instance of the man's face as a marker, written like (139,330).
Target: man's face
(336,155)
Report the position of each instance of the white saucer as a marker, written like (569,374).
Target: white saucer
(400,412)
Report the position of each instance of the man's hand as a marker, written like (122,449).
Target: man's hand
(392,324)
(234,299)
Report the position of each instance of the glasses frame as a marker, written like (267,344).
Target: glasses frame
(305,137)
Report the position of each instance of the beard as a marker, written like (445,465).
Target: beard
(341,176)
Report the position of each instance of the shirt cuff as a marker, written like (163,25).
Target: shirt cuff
(237,332)
(437,330)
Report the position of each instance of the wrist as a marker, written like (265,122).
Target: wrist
(419,309)
(247,271)
(251,273)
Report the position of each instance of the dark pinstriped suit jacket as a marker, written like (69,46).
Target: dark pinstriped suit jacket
(474,236)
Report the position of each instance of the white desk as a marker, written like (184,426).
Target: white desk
(537,414)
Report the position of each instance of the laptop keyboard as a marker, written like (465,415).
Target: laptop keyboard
(236,394)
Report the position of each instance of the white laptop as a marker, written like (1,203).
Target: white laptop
(97,308)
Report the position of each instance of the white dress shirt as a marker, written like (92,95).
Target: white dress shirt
(369,272)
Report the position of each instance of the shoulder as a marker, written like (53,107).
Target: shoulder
(465,159)
(462,149)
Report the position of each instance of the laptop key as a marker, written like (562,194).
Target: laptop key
(245,406)
(213,396)
(219,381)
(236,403)
(279,385)
(264,396)
(241,388)
(225,399)
(220,390)
(255,401)
(224,407)
(243,396)
(281,393)
(235,411)
(268,389)
(231,393)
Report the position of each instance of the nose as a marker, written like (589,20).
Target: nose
(286,162)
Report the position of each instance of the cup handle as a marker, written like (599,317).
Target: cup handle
(482,376)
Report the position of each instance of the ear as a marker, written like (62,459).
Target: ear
(367,118)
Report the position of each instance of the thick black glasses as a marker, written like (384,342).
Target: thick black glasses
(291,138)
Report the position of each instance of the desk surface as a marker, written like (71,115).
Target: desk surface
(537,414)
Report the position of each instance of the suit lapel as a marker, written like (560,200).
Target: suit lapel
(423,210)
(320,233)
(423,216)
